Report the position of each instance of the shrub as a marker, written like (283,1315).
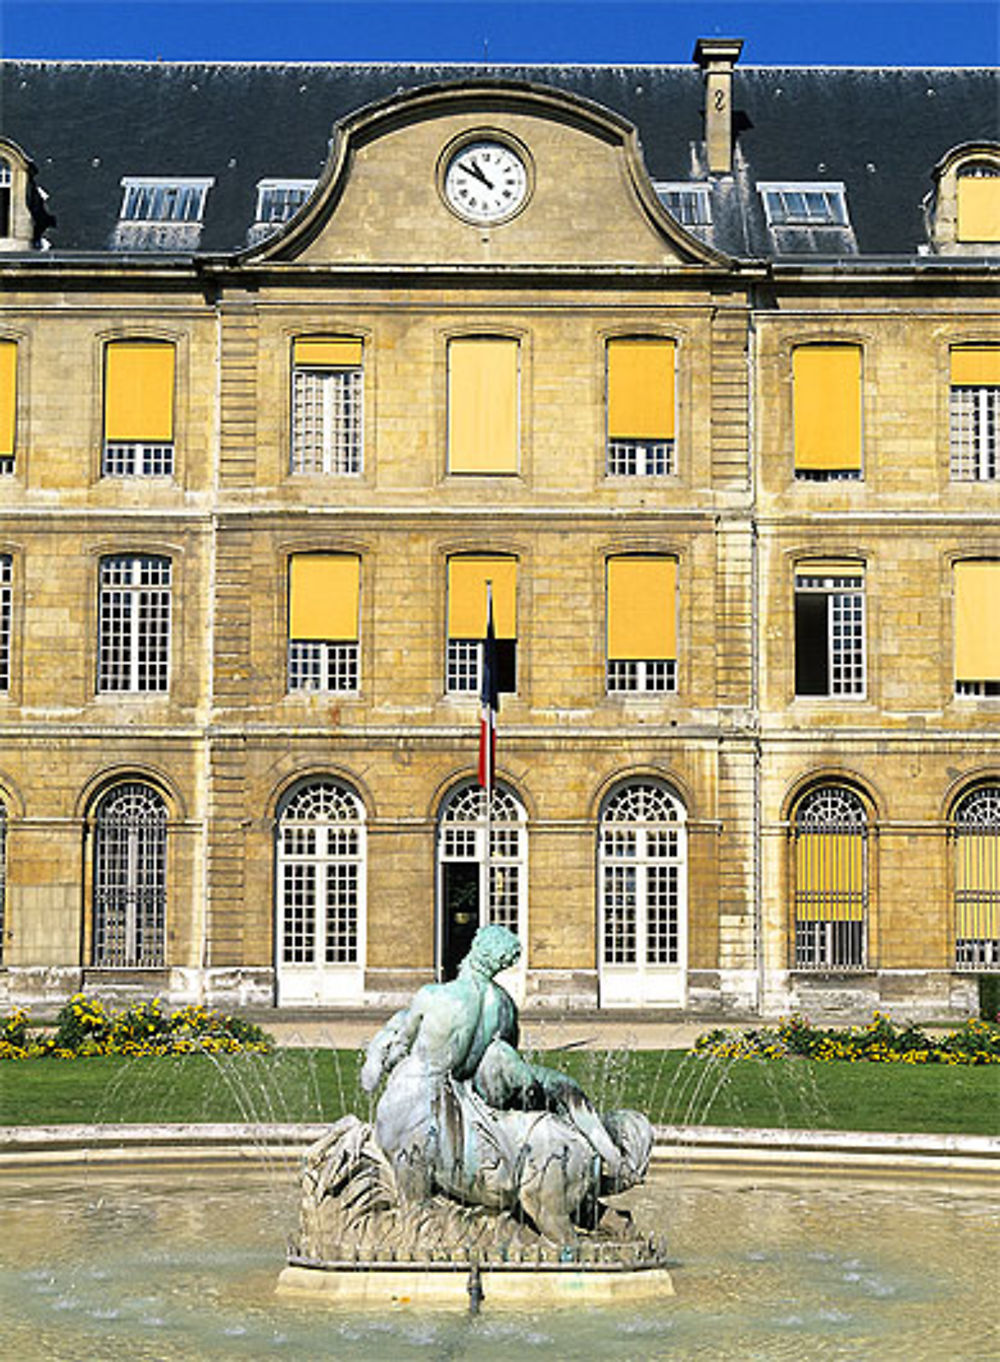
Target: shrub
(880,1041)
(85,1027)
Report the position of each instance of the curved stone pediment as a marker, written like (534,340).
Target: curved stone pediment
(381,200)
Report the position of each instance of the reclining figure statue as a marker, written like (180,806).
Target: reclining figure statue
(463,1113)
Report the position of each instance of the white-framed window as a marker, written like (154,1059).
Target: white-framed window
(164,198)
(323,609)
(830,834)
(640,378)
(977,640)
(976,830)
(476,888)
(279,200)
(321,879)
(690,204)
(829,630)
(130,878)
(808,204)
(6,618)
(133,641)
(470,577)
(139,381)
(642,676)
(642,872)
(327,406)
(641,624)
(974,413)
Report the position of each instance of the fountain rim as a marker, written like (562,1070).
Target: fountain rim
(736,1148)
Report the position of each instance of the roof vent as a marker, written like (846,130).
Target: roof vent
(717,57)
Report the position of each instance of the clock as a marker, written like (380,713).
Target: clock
(485,181)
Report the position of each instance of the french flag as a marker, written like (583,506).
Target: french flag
(490,702)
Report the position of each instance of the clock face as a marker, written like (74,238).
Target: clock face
(485,182)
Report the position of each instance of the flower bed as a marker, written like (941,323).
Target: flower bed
(880,1041)
(84,1027)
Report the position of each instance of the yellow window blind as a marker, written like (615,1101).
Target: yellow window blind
(641,389)
(828,567)
(829,876)
(8,397)
(975,365)
(323,597)
(139,391)
(826,382)
(642,609)
(979,208)
(977,885)
(327,352)
(977,621)
(467,578)
(482,405)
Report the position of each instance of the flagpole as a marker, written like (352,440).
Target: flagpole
(490,774)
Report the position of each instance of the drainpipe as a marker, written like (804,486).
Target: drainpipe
(717,57)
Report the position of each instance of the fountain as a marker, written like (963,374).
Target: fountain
(483,1176)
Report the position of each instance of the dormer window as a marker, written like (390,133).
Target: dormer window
(164,199)
(979,201)
(690,204)
(279,200)
(804,205)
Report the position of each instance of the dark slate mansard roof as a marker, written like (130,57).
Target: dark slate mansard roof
(879,131)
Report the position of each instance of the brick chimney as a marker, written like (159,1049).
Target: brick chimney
(717,57)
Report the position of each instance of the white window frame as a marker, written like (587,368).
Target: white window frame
(846,633)
(642,896)
(628,676)
(328,421)
(831,211)
(164,198)
(134,624)
(321,862)
(974,432)
(690,204)
(325,666)
(287,196)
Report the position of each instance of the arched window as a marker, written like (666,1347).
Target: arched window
(130,877)
(977,879)
(830,832)
(476,887)
(642,867)
(321,894)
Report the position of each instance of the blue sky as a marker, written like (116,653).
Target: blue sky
(882,32)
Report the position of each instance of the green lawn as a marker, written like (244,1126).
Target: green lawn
(670,1086)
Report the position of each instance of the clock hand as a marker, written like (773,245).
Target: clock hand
(471,168)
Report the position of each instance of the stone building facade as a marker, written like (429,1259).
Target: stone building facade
(714,414)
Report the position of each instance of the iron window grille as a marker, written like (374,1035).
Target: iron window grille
(974,422)
(804,205)
(327,420)
(831,881)
(829,635)
(134,624)
(976,830)
(130,878)
(321,840)
(641,863)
